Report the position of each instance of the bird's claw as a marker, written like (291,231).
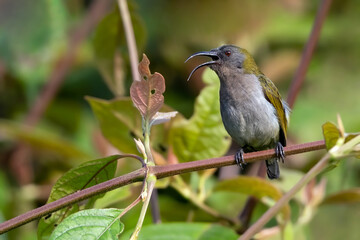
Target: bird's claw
(279,150)
(239,158)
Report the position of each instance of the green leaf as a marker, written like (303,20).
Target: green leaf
(188,231)
(119,121)
(339,143)
(254,186)
(227,203)
(90,224)
(113,197)
(331,134)
(109,46)
(108,35)
(343,197)
(83,176)
(203,135)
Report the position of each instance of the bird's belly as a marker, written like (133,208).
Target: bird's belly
(251,124)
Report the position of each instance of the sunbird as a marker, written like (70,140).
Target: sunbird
(251,107)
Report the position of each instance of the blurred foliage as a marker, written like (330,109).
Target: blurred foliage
(254,186)
(33,37)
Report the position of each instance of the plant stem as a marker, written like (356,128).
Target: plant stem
(150,184)
(149,157)
(314,171)
(130,39)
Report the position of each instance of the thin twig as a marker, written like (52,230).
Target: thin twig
(128,208)
(308,52)
(315,170)
(149,187)
(130,39)
(158,171)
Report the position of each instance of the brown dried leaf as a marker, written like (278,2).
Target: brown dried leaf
(146,94)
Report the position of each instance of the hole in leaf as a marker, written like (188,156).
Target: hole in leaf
(47,216)
(162,148)
(152,91)
(145,77)
(132,134)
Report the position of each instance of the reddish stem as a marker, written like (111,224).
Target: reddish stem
(308,52)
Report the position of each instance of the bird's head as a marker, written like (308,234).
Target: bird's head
(227,58)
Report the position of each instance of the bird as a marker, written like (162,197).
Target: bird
(251,107)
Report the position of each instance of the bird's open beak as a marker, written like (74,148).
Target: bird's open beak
(211,54)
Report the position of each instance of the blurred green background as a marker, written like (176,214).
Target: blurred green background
(35,40)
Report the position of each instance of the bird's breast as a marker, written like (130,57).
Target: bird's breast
(247,116)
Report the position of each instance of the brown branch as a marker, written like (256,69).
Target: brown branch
(299,77)
(158,171)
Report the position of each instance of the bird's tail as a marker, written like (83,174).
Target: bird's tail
(272,166)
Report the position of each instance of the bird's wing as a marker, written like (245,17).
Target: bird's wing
(273,96)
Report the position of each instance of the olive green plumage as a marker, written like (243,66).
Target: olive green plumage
(270,91)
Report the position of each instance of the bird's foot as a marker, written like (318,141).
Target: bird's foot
(279,150)
(239,158)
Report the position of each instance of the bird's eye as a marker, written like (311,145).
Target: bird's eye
(227,53)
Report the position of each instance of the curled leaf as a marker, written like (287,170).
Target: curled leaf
(140,146)
(340,142)
(331,134)
(147,94)
(161,117)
